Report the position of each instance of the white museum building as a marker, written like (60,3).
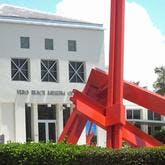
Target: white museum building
(43,57)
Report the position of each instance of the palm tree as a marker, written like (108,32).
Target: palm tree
(159,84)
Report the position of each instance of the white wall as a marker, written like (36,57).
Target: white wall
(89,50)
(7,121)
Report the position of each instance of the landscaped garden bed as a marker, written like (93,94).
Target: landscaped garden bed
(64,154)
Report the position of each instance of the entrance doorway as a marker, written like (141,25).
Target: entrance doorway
(47,123)
(47,130)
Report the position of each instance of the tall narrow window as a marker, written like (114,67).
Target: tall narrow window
(72,46)
(24,42)
(76,72)
(49,44)
(20,69)
(49,70)
(66,114)
(129,114)
(28,122)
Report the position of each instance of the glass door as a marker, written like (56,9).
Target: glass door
(47,131)
(47,123)
(52,132)
(42,132)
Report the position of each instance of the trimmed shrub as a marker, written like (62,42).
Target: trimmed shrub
(66,154)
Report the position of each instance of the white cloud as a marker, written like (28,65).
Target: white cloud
(144,44)
(90,10)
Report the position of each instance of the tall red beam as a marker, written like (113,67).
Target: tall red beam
(115,78)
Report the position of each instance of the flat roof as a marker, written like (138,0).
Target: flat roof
(14,14)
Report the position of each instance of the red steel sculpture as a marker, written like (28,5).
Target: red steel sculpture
(101,100)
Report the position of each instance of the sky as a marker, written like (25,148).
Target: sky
(155,9)
(144,30)
(43,5)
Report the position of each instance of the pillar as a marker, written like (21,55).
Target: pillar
(144,116)
(59,119)
(20,123)
(34,122)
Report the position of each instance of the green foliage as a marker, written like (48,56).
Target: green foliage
(159,84)
(66,154)
(160,135)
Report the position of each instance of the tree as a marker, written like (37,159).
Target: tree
(159,84)
(160,135)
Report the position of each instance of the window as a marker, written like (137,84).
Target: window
(129,114)
(47,123)
(46,113)
(136,114)
(66,114)
(153,116)
(20,69)
(49,44)
(49,70)
(133,114)
(72,45)
(28,122)
(76,72)
(152,129)
(24,42)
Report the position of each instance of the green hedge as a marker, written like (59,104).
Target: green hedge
(63,154)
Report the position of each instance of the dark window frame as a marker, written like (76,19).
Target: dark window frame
(133,114)
(49,44)
(66,114)
(76,72)
(49,70)
(72,45)
(24,42)
(47,113)
(154,116)
(20,71)
(28,118)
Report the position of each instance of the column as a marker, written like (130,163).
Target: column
(59,119)
(71,107)
(163,120)
(34,122)
(144,116)
(20,123)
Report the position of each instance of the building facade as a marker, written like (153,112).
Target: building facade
(141,117)
(42,58)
